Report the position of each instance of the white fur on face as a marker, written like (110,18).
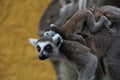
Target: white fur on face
(43,45)
(55,38)
(49,33)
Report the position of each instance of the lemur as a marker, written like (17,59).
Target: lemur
(66,11)
(79,39)
(76,23)
(78,56)
(105,41)
(58,12)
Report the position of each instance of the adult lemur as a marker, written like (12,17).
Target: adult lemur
(105,43)
(79,56)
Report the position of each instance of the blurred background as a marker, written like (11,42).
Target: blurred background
(18,59)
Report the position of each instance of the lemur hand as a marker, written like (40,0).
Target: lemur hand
(107,22)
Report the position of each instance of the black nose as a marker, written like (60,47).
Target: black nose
(43,57)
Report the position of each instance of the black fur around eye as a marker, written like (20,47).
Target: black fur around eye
(48,48)
(38,48)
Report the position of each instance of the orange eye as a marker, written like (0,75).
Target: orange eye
(38,48)
(48,48)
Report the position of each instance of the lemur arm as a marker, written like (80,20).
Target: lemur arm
(78,19)
(94,26)
(76,22)
(74,37)
(84,61)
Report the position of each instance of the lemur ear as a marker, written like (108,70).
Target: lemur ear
(92,8)
(52,25)
(33,41)
(57,39)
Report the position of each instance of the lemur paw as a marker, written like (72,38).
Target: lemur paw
(107,22)
(80,39)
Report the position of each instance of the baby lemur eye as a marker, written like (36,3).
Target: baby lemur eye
(48,48)
(38,48)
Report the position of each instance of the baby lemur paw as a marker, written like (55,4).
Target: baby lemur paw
(80,39)
(107,22)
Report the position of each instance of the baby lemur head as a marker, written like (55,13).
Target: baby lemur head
(52,30)
(47,46)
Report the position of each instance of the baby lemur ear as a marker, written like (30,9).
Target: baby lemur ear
(52,25)
(33,41)
(57,39)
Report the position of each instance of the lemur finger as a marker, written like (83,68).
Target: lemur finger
(107,22)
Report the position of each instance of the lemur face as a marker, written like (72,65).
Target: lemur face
(50,32)
(47,46)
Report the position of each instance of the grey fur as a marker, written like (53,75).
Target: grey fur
(82,58)
(78,58)
(107,44)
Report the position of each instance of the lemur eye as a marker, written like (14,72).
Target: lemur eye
(38,48)
(48,48)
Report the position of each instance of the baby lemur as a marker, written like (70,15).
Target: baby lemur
(77,23)
(78,55)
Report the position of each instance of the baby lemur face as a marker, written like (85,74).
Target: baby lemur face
(50,31)
(47,46)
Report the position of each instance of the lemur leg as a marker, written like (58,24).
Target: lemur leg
(63,70)
(112,60)
(84,61)
(56,64)
(87,72)
(94,26)
(112,68)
